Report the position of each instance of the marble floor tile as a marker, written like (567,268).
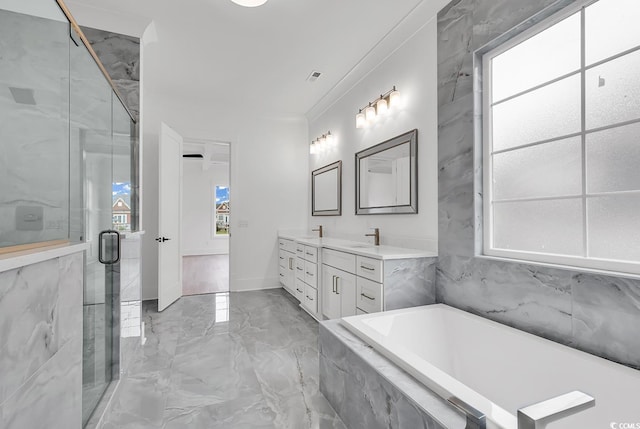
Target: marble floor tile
(227,360)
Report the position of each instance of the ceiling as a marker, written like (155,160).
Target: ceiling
(250,59)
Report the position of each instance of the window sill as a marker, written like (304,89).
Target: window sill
(579,270)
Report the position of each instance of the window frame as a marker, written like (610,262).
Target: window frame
(484,145)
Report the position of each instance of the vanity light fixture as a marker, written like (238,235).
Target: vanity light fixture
(378,107)
(323,143)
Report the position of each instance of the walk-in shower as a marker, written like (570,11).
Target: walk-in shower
(66,140)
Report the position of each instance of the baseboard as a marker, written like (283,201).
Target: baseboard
(260,283)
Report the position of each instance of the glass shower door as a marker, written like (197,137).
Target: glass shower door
(91,137)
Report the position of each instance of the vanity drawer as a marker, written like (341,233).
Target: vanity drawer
(369,268)
(283,258)
(300,268)
(311,274)
(368,295)
(287,245)
(311,254)
(300,290)
(283,275)
(311,299)
(300,250)
(340,260)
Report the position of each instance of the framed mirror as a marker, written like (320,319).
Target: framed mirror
(326,190)
(387,176)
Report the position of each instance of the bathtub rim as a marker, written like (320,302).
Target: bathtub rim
(497,417)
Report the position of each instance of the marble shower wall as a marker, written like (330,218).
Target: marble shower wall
(34,129)
(595,313)
(120,56)
(41,344)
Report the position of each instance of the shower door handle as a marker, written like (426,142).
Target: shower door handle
(101,245)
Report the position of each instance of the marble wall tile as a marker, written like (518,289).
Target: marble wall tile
(34,163)
(52,397)
(28,320)
(120,56)
(69,303)
(606,317)
(130,269)
(593,313)
(368,391)
(409,282)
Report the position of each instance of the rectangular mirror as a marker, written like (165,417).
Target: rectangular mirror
(387,176)
(326,190)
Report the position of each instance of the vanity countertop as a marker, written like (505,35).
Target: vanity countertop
(360,248)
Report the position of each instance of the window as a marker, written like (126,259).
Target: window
(561,140)
(221,216)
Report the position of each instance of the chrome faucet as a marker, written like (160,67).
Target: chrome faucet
(537,416)
(376,234)
(319,229)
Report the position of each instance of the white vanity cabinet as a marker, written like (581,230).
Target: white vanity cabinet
(287,265)
(351,284)
(339,292)
(307,277)
(335,278)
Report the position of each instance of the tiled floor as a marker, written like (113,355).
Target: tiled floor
(238,360)
(205,274)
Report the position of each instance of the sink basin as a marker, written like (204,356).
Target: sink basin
(361,246)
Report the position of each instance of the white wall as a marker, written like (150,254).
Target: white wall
(413,69)
(198,207)
(269,180)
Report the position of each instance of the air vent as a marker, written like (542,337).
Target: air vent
(23,96)
(314,76)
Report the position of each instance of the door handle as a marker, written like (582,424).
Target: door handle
(162,239)
(334,284)
(337,278)
(111,233)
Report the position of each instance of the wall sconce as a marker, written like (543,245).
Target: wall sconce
(378,107)
(322,143)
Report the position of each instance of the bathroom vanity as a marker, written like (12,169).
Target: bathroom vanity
(334,278)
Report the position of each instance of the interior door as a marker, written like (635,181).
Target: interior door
(169,217)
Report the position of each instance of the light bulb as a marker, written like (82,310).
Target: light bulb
(360,120)
(394,98)
(312,148)
(370,113)
(330,140)
(381,106)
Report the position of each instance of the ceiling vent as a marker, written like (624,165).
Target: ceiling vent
(314,76)
(23,96)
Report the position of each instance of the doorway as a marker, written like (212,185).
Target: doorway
(206,207)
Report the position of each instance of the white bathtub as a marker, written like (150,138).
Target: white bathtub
(497,369)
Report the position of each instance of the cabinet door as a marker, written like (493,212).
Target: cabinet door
(346,290)
(330,300)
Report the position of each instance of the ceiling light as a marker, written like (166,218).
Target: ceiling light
(249,3)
